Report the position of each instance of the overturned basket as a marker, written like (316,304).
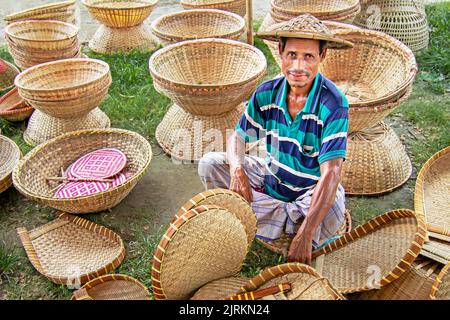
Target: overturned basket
(30,176)
(236,6)
(198,24)
(9,157)
(71,250)
(13,108)
(8,73)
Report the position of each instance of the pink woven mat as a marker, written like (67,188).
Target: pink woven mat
(99,164)
(80,189)
(119,179)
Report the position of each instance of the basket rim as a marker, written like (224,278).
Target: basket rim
(6,111)
(190,2)
(43,7)
(74,28)
(175,46)
(18,183)
(62,62)
(15,146)
(354,4)
(143,6)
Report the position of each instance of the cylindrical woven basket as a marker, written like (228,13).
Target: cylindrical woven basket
(216,76)
(112,287)
(46,160)
(13,108)
(376,162)
(8,73)
(405,20)
(236,6)
(198,24)
(71,250)
(9,157)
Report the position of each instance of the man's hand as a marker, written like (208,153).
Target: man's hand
(239,183)
(300,249)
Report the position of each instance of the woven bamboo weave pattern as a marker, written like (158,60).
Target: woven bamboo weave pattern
(350,261)
(205,244)
(9,158)
(441,288)
(71,249)
(13,107)
(235,6)
(8,72)
(219,289)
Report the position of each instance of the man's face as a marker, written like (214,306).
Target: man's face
(300,61)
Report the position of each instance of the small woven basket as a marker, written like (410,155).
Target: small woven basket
(71,250)
(236,6)
(198,24)
(112,287)
(13,108)
(46,160)
(8,73)
(9,157)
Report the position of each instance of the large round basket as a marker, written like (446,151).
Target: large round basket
(216,76)
(9,157)
(198,24)
(236,6)
(13,108)
(376,162)
(71,251)
(112,287)
(46,160)
(8,73)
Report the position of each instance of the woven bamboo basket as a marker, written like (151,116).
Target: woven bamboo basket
(187,137)
(9,157)
(218,74)
(376,162)
(405,20)
(42,127)
(30,176)
(112,287)
(198,24)
(432,190)
(72,251)
(236,6)
(8,73)
(365,258)
(66,11)
(13,108)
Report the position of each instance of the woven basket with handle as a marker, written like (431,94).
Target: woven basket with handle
(9,157)
(13,108)
(236,6)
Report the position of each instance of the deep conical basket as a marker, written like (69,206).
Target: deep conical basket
(9,157)
(236,6)
(198,24)
(46,160)
(216,74)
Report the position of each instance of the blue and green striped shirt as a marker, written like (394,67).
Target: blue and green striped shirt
(296,147)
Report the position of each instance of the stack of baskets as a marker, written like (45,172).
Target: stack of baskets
(236,6)
(35,42)
(208,91)
(65,94)
(405,20)
(123,27)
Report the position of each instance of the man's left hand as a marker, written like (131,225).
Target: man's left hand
(300,249)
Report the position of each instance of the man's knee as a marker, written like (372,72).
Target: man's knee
(209,161)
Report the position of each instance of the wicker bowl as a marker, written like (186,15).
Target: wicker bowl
(48,158)
(13,108)
(216,76)
(198,24)
(9,157)
(236,6)
(8,73)
(120,13)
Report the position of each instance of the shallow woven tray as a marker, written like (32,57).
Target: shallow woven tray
(8,73)
(216,76)
(236,6)
(47,159)
(205,244)
(42,128)
(376,162)
(9,157)
(432,191)
(375,253)
(13,107)
(198,24)
(71,250)
(112,287)
(120,13)
(187,137)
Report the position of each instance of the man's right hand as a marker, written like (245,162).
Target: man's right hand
(239,183)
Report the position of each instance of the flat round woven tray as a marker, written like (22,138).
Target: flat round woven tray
(8,73)
(432,191)
(42,128)
(198,24)
(46,160)
(13,107)
(9,157)
(373,254)
(71,251)
(236,6)
(376,162)
(216,76)
(205,244)
(187,137)
(112,287)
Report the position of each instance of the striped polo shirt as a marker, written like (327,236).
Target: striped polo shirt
(296,147)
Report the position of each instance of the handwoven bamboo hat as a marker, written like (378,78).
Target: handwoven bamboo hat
(9,157)
(70,250)
(305,26)
(236,6)
(8,73)
(13,108)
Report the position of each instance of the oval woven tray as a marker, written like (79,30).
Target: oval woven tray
(71,250)
(9,157)
(236,6)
